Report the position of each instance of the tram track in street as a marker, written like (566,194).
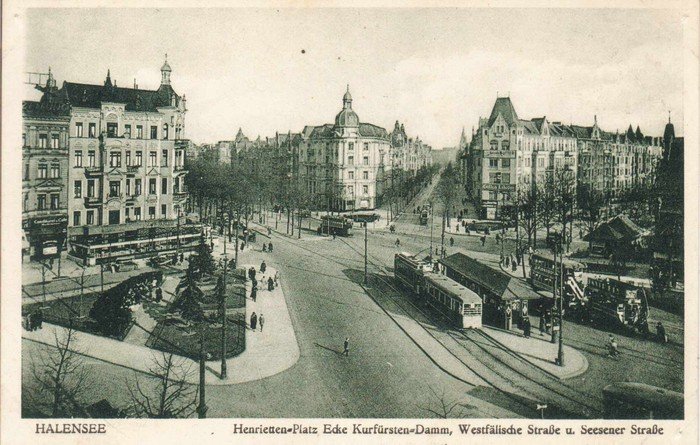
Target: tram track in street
(489,361)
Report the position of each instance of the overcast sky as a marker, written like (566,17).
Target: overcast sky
(435,70)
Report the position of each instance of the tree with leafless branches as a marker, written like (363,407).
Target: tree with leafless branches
(443,407)
(172,396)
(60,376)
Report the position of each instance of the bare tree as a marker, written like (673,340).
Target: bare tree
(526,201)
(443,407)
(447,190)
(547,202)
(590,205)
(565,196)
(61,376)
(172,396)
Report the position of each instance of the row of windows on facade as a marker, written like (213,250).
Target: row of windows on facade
(115,158)
(351,159)
(351,147)
(113,130)
(43,140)
(53,203)
(43,170)
(90,214)
(115,187)
(350,189)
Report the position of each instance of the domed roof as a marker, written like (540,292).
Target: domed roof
(166,65)
(347,117)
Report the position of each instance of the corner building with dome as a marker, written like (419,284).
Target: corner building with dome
(344,166)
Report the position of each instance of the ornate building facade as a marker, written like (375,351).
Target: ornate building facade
(344,165)
(507,153)
(45,173)
(124,175)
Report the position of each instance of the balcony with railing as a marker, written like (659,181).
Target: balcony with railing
(92,201)
(95,170)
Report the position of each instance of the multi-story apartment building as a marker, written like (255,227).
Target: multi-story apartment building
(408,154)
(45,173)
(125,166)
(507,153)
(344,165)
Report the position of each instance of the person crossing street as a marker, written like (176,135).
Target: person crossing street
(346,346)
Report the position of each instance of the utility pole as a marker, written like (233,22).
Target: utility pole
(82,290)
(202,407)
(366,281)
(554,292)
(431,231)
(102,278)
(223,313)
(43,281)
(177,210)
(238,221)
(561,307)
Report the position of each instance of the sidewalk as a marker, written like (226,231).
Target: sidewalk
(267,352)
(540,352)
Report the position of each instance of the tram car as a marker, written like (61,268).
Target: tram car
(461,305)
(423,218)
(628,400)
(615,302)
(542,278)
(335,225)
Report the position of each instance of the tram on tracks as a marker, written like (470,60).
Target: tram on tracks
(335,225)
(462,306)
(616,302)
(423,220)
(628,400)
(543,274)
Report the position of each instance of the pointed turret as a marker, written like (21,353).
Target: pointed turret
(638,134)
(165,71)
(108,80)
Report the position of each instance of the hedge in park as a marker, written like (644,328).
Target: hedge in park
(112,310)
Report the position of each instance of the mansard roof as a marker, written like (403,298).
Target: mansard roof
(92,96)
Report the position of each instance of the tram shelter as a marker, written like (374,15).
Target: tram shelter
(498,290)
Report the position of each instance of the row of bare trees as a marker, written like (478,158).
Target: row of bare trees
(60,384)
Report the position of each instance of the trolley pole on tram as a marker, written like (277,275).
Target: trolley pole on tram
(365,253)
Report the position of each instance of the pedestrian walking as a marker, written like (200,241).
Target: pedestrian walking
(661,333)
(277,278)
(507,261)
(548,322)
(483,240)
(242,245)
(39,317)
(253,321)
(346,346)
(398,242)
(526,327)
(254,292)
(269,231)
(159,295)
(509,318)
(30,322)
(270,284)
(264,247)
(263,267)
(452,240)
(269,247)
(261,320)
(541,323)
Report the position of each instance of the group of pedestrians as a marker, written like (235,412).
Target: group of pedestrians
(267,247)
(34,320)
(256,320)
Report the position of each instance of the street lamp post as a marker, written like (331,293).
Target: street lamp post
(202,407)
(431,231)
(560,358)
(177,211)
(223,309)
(365,253)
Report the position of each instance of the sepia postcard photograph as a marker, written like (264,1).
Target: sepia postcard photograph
(297,222)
